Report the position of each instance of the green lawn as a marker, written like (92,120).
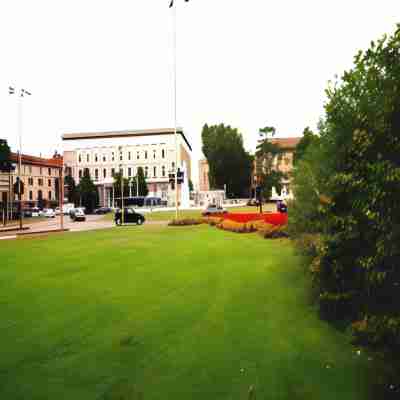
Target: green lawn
(165,313)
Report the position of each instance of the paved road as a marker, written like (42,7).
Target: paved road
(92,222)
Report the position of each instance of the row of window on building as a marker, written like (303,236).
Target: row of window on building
(39,182)
(39,195)
(131,171)
(128,156)
(27,170)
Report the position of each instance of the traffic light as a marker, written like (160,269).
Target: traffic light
(16,186)
(180,176)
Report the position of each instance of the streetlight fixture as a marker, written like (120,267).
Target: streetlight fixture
(21,94)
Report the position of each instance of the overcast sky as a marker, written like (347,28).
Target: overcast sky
(107,65)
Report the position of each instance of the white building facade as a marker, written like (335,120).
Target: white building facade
(106,153)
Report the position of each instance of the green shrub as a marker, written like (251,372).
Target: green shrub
(268,231)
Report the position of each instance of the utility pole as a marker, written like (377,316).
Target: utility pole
(21,95)
(122,192)
(175,120)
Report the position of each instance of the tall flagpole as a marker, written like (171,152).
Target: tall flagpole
(175,116)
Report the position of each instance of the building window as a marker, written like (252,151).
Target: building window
(155,172)
(30,195)
(146,172)
(120,156)
(30,181)
(87,157)
(112,172)
(49,171)
(40,182)
(41,170)
(112,156)
(40,195)
(104,173)
(49,195)
(96,158)
(129,155)
(121,171)
(49,182)
(96,174)
(145,154)
(30,169)
(137,155)
(173,166)
(104,158)
(80,174)
(80,158)
(163,170)
(154,154)
(129,171)
(163,153)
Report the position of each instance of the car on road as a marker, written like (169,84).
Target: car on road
(49,213)
(102,210)
(130,216)
(213,209)
(281,206)
(77,214)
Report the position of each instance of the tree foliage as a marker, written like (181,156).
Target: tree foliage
(5,154)
(87,190)
(120,181)
(308,138)
(228,161)
(71,190)
(143,189)
(268,176)
(358,265)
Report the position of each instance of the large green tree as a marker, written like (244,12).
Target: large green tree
(120,181)
(5,153)
(71,190)
(230,164)
(143,189)
(308,138)
(268,176)
(88,193)
(358,266)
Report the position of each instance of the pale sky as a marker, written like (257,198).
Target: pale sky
(95,65)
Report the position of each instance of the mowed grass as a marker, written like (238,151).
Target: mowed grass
(166,313)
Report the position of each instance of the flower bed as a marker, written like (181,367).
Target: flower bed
(269,218)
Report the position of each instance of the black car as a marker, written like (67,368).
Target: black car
(281,206)
(130,216)
(102,210)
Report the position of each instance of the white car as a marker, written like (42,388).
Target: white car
(49,213)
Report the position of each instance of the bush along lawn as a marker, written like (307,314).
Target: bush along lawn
(167,313)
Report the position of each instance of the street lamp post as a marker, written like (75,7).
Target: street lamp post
(122,192)
(21,95)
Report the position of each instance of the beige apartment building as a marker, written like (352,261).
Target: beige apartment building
(204,169)
(105,153)
(284,163)
(40,176)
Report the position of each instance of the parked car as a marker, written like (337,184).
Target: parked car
(253,202)
(130,216)
(214,209)
(57,210)
(49,213)
(281,206)
(35,212)
(27,213)
(77,214)
(102,210)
